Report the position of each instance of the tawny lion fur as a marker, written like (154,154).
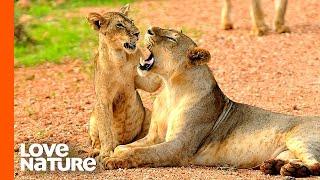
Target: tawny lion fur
(118,116)
(193,122)
(258,24)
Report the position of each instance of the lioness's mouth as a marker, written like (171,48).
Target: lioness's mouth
(147,64)
(131,46)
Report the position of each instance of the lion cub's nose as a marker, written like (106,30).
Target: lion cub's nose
(150,32)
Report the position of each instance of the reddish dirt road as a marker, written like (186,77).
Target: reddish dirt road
(277,72)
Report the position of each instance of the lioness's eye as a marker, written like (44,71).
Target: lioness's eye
(119,25)
(171,39)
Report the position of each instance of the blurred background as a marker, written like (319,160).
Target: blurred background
(53,88)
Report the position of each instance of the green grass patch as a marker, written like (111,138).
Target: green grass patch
(83,3)
(57,36)
(57,40)
(40,8)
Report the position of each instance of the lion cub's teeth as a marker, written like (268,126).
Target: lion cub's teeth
(142,61)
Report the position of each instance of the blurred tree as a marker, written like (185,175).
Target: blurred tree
(20,34)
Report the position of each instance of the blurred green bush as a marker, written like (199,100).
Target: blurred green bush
(51,31)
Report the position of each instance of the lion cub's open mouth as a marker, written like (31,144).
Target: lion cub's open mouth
(147,64)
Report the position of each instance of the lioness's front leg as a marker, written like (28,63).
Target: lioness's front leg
(127,156)
(226,23)
(178,147)
(150,139)
(163,154)
(279,21)
(259,27)
(149,84)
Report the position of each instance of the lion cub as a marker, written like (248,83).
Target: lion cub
(193,122)
(258,26)
(118,116)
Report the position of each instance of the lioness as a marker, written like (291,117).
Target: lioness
(118,116)
(193,122)
(258,26)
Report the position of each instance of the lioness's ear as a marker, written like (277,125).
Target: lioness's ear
(198,56)
(96,20)
(125,9)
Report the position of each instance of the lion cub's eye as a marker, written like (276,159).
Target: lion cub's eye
(119,25)
(171,39)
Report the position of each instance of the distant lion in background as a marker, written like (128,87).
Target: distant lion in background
(259,27)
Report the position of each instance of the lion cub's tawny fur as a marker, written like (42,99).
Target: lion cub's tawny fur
(118,116)
(258,25)
(193,122)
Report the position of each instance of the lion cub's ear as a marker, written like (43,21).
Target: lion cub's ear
(198,56)
(96,20)
(125,9)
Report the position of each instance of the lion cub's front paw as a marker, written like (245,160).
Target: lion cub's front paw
(116,163)
(282,29)
(260,31)
(102,156)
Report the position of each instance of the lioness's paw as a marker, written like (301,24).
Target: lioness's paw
(294,170)
(272,166)
(315,169)
(116,163)
(260,31)
(282,29)
(226,26)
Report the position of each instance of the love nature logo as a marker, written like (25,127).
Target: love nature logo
(42,157)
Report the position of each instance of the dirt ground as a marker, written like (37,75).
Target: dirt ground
(277,72)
